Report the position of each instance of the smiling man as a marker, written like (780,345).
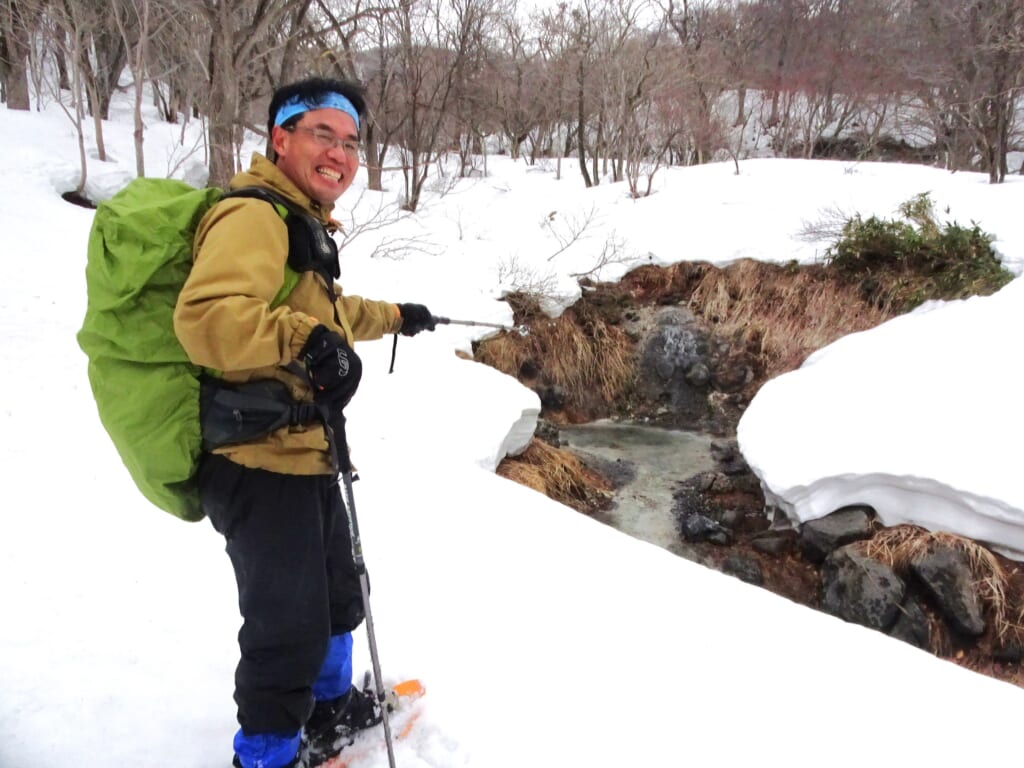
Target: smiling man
(261,307)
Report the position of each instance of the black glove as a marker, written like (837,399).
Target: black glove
(415,318)
(333,366)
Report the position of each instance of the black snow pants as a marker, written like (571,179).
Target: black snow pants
(288,540)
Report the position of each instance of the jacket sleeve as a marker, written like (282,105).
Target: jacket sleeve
(368,319)
(223,317)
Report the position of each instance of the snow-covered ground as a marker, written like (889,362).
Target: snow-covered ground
(911,418)
(543,637)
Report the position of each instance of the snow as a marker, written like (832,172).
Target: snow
(909,417)
(544,638)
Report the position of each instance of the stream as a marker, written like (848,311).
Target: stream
(645,463)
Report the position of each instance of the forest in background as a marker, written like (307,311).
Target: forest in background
(622,87)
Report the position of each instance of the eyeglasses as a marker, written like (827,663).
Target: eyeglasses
(328,140)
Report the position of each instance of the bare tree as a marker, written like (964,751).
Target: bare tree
(517,85)
(133,22)
(581,54)
(556,93)
(630,75)
(17,25)
(106,54)
(429,44)
(71,33)
(971,75)
(236,56)
(701,67)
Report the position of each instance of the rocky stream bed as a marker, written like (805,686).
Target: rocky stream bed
(667,449)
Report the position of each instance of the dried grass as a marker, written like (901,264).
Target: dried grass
(557,474)
(902,546)
(782,314)
(649,279)
(595,358)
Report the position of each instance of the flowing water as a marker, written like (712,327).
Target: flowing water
(649,461)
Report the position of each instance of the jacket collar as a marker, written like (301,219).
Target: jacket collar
(264,173)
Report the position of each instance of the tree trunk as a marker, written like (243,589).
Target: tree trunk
(139,74)
(741,107)
(581,129)
(111,55)
(223,98)
(16,77)
(374,160)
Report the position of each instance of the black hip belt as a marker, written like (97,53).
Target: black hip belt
(240,413)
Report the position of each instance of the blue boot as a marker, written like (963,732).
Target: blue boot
(267,750)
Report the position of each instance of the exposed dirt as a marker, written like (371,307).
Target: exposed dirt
(761,321)
(772,558)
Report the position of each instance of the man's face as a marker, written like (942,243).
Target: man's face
(312,156)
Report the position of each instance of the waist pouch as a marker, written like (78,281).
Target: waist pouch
(240,413)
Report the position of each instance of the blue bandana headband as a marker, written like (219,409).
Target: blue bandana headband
(330,100)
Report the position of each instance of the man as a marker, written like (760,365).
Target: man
(276,499)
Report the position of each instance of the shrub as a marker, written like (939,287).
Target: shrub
(901,264)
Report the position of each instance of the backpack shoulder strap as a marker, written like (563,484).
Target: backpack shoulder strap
(309,245)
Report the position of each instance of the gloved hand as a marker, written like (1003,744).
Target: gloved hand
(333,366)
(415,318)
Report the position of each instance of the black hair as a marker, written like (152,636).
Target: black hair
(310,91)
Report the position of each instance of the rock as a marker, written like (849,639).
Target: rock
(820,537)
(698,375)
(725,451)
(776,543)
(548,432)
(861,590)
(672,366)
(946,577)
(1010,650)
(912,624)
(744,569)
(552,398)
(698,527)
(732,518)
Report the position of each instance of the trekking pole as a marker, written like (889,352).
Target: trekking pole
(522,330)
(345,468)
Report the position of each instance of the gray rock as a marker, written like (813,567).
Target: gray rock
(861,590)
(774,542)
(673,367)
(724,451)
(946,577)
(732,518)
(699,527)
(698,375)
(912,624)
(820,537)
(744,569)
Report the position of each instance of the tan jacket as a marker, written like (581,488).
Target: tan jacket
(224,320)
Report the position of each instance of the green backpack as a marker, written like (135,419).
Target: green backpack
(146,390)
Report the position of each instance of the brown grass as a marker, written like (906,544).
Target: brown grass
(781,313)
(651,280)
(557,474)
(592,358)
(903,545)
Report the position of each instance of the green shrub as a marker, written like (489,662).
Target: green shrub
(901,264)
